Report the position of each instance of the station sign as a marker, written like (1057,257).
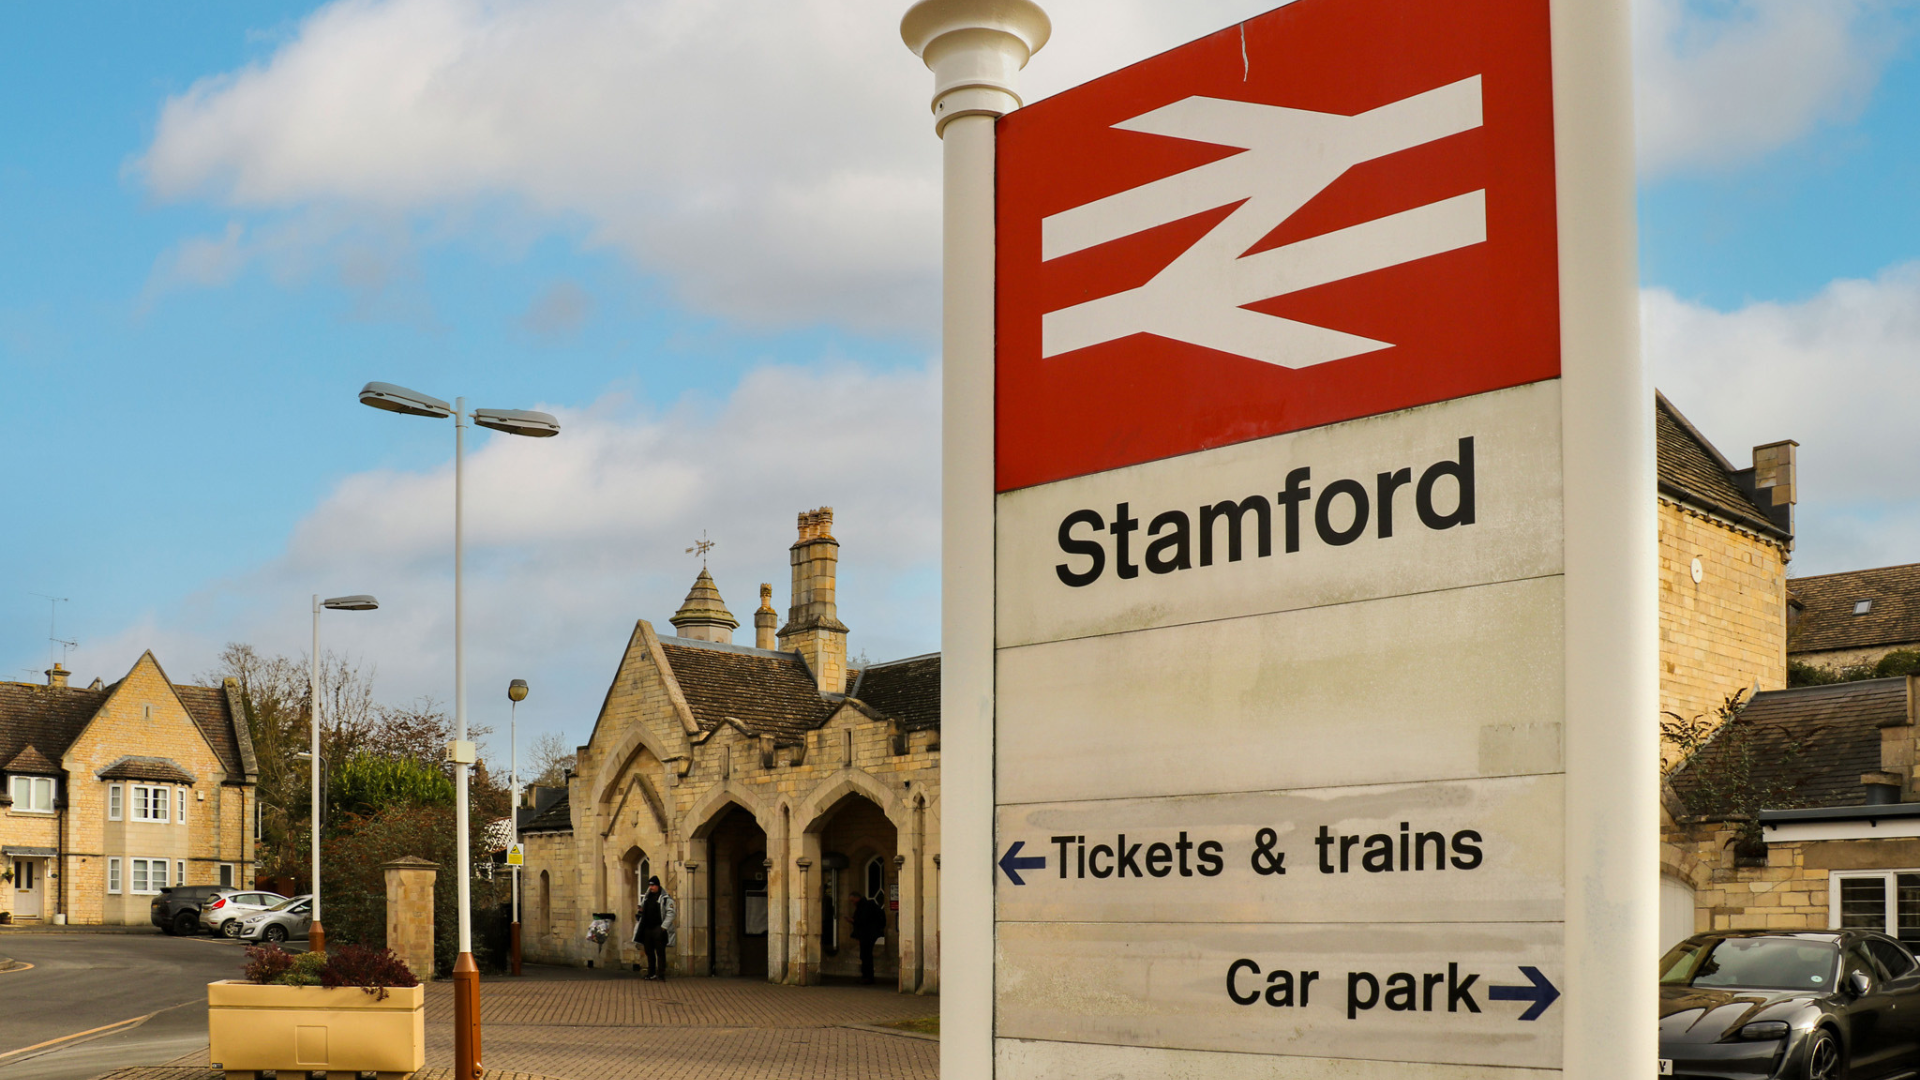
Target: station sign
(1281,611)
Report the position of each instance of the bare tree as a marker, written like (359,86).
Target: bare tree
(551,759)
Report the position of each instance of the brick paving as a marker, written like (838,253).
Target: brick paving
(571,1024)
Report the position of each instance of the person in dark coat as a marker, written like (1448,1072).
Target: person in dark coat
(869,925)
(653,928)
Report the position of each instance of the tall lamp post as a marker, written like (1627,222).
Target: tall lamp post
(516,693)
(466,975)
(316,934)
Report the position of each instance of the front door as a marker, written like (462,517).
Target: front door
(753,915)
(28,888)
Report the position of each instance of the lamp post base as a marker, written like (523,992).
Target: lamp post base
(513,944)
(466,1018)
(316,937)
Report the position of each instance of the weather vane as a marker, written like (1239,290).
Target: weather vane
(701,547)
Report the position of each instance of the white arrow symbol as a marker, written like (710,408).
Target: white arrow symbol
(1291,156)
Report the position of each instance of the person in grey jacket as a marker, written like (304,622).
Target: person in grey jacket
(653,928)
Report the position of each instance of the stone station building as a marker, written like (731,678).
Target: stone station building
(762,784)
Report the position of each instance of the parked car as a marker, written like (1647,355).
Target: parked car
(221,915)
(287,919)
(1806,1005)
(177,910)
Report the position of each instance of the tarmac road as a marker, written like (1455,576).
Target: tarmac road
(152,986)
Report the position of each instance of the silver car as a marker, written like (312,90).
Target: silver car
(222,914)
(287,919)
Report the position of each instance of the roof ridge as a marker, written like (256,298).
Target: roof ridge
(1834,574)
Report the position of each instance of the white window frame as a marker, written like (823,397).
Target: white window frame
(181,797)
(113,874)
(179,871)
(152,803)
(1891,904)
(28,784)
(140,877)
(116,802)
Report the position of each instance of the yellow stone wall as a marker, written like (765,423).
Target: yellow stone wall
(1728,631)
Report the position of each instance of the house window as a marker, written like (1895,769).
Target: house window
(877,880)
(114,794)
(180,872)
(182,804)
(149,875)
(113,875)
(1886,900)
(33,794)
(1861,607)
(226,875)
(152,804)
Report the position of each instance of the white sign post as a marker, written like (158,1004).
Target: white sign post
(1299,687)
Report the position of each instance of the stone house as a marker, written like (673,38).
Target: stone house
(763,784)
(112,793)
(1726,535)
(1836,620)
(1849,853)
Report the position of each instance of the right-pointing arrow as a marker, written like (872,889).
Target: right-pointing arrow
(1542,993)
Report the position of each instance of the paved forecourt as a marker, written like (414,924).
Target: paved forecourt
(1292,437)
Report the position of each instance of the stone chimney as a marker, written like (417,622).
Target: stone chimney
(57,677)
(764,620)
(1775,481)
(704,616)
(814,629)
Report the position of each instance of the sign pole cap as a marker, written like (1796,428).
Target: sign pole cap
(975,49)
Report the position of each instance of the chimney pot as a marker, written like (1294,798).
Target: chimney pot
(57,677)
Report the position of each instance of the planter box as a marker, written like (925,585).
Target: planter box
(296,1029)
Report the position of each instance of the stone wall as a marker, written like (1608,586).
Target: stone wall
(1727,631)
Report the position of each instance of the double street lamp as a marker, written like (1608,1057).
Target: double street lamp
(316,934)
(466,975)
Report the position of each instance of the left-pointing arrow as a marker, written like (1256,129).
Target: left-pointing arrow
(1542,993)
(1011,864)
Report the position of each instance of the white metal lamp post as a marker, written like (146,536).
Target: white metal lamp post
(466,975)
(316,934)
(516,693)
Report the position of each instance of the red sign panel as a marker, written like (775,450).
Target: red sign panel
(1334,210)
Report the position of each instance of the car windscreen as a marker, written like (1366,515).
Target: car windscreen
(1757,963)
(285,904)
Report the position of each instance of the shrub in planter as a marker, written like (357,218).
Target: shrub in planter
(295,1013)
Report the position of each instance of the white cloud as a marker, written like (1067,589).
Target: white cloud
(773,158)
(1839,373)
(571,539)
(1722,84)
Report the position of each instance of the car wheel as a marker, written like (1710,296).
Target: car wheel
(230,928)
(1823,1057)
(185,923)
(277,934)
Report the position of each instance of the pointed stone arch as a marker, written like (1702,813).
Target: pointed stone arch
(851,781)
(606,785)
(704,814)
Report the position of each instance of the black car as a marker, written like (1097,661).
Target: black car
(177,910)
(1804,1005)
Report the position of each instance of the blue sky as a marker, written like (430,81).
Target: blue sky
(222,218)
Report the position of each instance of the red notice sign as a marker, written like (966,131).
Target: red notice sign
(1334,210)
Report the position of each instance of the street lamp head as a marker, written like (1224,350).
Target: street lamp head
(517,690)
(536,425)
(399,399)
(357,602)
